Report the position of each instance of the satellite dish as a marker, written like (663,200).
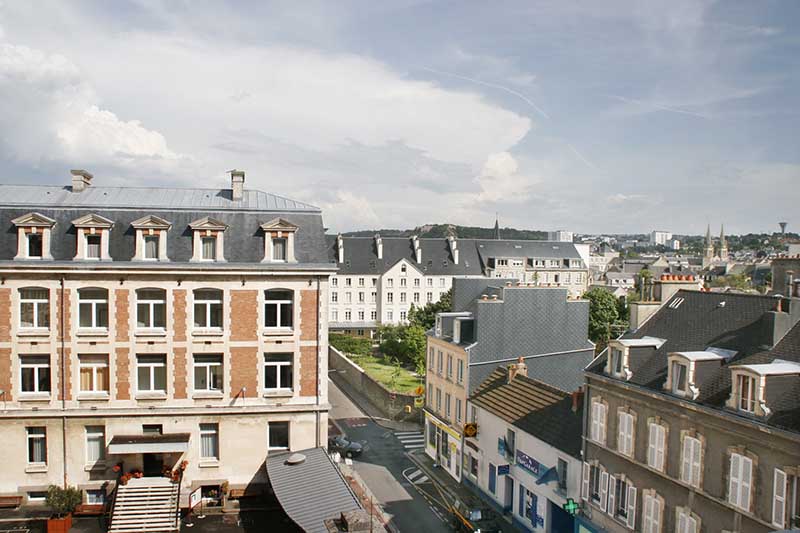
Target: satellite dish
(296,459)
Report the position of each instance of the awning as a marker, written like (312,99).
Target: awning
(170,443)
(310,488)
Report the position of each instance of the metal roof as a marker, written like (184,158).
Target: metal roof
(146,198)
(312,491)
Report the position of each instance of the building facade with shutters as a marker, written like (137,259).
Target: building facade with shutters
(149,326)
(691,419)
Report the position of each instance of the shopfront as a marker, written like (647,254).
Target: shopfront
(443,445)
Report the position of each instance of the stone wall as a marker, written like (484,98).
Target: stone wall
(351,378)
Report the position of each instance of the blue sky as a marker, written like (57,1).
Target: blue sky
(590,116)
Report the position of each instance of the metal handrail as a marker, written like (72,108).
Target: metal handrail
(178,502)
(111,503)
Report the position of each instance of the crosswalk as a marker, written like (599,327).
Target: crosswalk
(416,477)
(411,440)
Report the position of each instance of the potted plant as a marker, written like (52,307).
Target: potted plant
(63,502)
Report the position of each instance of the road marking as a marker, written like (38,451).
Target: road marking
(416,477)
(411,440)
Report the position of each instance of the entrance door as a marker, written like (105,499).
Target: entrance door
(508,495)
(153,464)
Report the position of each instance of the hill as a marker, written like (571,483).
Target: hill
(462,232)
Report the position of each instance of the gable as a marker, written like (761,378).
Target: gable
(208,223)
(395,269)
(278,224)
(92,220)
(151,222)
(33,219)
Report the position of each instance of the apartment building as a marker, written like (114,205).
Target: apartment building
(381,278)
(494,322)
(149,326)
(692,420)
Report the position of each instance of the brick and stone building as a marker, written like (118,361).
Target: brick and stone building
(150,326)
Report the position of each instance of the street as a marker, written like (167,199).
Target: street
(386,470)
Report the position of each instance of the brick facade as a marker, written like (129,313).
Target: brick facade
(308,315)
(6,379)
(123,374)
(122,314)
(67,377)
(308,371)
(67,316)
(244,315)
(179,314)
(244,370)
(179,372)
(5,315)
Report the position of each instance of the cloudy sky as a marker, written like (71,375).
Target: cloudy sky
(591,116)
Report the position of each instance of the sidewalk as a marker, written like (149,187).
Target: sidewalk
(370,410)
(452,488)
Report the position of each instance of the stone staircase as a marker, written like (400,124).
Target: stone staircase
(146,504)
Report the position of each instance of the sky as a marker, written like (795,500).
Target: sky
(609,116)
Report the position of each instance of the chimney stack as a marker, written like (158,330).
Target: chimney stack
(417,248)
(789,283)
(379,245)
(340,247)
(81,179)
(516,369)
(451,240)
(577,400)
(237,185)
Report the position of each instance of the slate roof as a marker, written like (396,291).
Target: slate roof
(361,255)
(534,407)
(312,491)
(738,322)
(243,240)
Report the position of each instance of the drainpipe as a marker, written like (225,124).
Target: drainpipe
(63,381)
(319,353)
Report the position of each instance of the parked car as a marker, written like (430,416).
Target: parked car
(345,446)
(473,517)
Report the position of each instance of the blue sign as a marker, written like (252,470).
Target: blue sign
(530,464)
(503,470)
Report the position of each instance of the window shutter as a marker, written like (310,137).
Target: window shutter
(746,482)
(629,435)
(612,494)
(521,508)
(603,490)
(595,430)
(603,417)
(696,448)
(686,466)
(682,526)
(651,445)
(691,525)
(647,513)
(621,423)
(661,442)
(779,499)
(631,506)
(656,528)
(734,482)
(585,485)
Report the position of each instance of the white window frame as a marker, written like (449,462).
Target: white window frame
(779,498)
(162,363)
(207,368)
(151,304)
(277,365)
(280,310)
(34,436)
(740,481)
(651,513)
(656,446)
(746,404)
(25,363)
(93,361)
(691,461)
(685,521)
(460,372)
(37,313)
(93,303)
(209,429)
(207,302)
(289,435)
(334,297)
(87,247)
(93,433)
(27,245)
(625,433)
(284,242)
(598,422)
(458,411)
(674,377)
(614,499)
(147,238)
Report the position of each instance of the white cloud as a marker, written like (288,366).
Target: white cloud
(350,210)
(500,180)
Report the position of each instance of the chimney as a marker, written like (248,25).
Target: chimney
(577,400)
(237,185)
(451,240)
(789,282)
(516,369)
(80,180)
(379,245)
(340,247)
(417,249)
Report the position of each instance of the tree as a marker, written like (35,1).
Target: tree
(425,317)
(406,343)
(734,281)
(603,315)
(349,344)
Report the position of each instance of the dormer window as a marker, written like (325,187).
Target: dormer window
(33,236)
(151,238)
(279,241)
(208,240)
(746,385)
(617,361)
(93,236)
(680,374)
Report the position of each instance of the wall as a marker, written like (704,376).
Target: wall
(352,379)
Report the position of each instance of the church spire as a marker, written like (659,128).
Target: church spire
(723,244)
(496,227)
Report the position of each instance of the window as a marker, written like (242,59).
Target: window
(348,282)
(429,297)
(625,436)
(473,466)
(279,249)
(208,373)
(373,297)
(431,358)
(348,315)
(595,485)
(151,247)
(449,366)
(334,315)
(441,282)
(361,316)
(151,309)
(651,513)
(622,500)
(93,373)
(440,363)
(617,363)
(93,246)
(37,496)
(416,297)
(334,282)
(373,315)
(458,410)
(429,396)
(473,414)
(686,522)
(151,373)
(511,443)
(334,297)
(389,283)
(691,461)
(389,297)
(279,309)
(278,372)
(447,405)
(35,374)
(598,427)
(561,469)
(34,308)
(403,282)
(37,446)
(208,309)
(374,282)
(96,497)
(746,385)
(208,248)
(429,282)
(389,315)
(360,282)
(403,270)
(403,297)
(403,316)
(278,435)
(460,372)
(348,297)
(779,499)
(438,400)
(740,481)
(95,444)
(152,429)
(35,245)
(679,373)
(93,308)
(209,442)
(656,446)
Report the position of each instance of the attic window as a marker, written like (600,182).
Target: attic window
(617,363)
(33,236)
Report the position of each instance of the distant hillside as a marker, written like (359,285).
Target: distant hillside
(462,232)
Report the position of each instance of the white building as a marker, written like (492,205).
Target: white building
(660,238)
(674,244)
(381,278)
(525,458)
(560,236)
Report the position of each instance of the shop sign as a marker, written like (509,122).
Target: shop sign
(503,470)
(530,464)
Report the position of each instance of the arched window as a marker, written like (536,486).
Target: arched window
(34,308)
(279,309)
(208,308)
(93,308)
(151,312)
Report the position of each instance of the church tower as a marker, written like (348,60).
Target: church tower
(708,249)
(497,227)
(723,245)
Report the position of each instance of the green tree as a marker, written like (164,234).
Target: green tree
(350,344)
(734,281)
(406,343)
(603,315)
(425,317)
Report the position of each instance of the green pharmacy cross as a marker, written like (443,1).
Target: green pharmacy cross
(571,507)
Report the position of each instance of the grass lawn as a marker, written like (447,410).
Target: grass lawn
(383,372)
